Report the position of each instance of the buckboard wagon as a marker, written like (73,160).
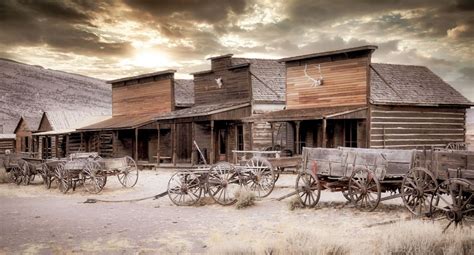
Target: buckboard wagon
(435,183)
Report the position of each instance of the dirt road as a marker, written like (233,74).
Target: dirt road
(34,220)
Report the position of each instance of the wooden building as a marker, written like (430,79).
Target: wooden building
(57,134)
(23,132)
(340,98)
(232,90)
(136,101)
(7,142)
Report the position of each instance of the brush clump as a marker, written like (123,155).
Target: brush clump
(245,199)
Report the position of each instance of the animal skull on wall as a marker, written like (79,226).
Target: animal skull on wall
(316,82)
(219,82)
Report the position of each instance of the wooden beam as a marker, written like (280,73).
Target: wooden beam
(66,153)
(82,140)
(158,144)
(324,142)
(298,142)
(272,129)
(135,156)
(193,149)
(174,143)
(212,149)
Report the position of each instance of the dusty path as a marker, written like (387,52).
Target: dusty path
(39,221)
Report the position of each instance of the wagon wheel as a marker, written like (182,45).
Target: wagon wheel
(364,189)
(223,183)
(25,172)
(454,201)
(16,175)
(277,173)
(346,195)
(128,176)
(418,187)
(308,188)
(45,175)
(184,188)
(93,178)
(62,177)
(261,179)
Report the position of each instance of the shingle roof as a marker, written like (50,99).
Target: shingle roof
(31,122)
(202,110)
(184,92)
(121,122)
(66,120)
(411,85)
(268,78)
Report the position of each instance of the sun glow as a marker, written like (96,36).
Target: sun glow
(148,59)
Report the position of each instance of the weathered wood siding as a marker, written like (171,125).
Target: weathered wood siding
(143,98)
(345,83)
(412,127)
(470,136)
(7,144)
(23,138)
(236,86)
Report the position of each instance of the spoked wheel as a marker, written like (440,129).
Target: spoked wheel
(184,188)
(16,175)
(25,172)
(308,188)
(261,177)
(45,176)
(128,176)
(62,178)
(418,188)
(454,201)
(364,189)
(223,183)
(345,193)
(94,180)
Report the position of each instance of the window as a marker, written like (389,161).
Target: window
(240,138)
(222,142)
(350,133)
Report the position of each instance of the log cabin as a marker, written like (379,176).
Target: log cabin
(23,132)
(341,98)
(136,101)
(7,142)
(232,90)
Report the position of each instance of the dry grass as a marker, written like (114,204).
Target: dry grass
(295,203)
(245,199)
(4,178)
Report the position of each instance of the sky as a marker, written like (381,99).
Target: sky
(113,39)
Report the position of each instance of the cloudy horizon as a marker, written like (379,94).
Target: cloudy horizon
(113,39)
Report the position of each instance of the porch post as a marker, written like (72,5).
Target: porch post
(324,142)
(298,142)
(158,144)
(212,156)
(67,146)
(135,156)
(193,149)
(174,144)
(272,128)
(82,140)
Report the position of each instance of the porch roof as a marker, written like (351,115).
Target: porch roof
(202,110)
(120,122)
(349,112)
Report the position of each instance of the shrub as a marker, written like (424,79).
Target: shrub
(4,178)
(245,199)
(295,203)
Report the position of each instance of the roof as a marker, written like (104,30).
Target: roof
(73,127)
(70,120)
(221,56)
(411,85)
(202,110)
(31,122)
(328,53)
(121,122)
(141,76)
(183,92)
(308,113)
(7,136)
(268,78)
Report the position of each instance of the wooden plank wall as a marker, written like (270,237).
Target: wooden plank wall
(415,127)
(143,98)
(345,83)
(22,132)
(7,144)
(470,136)
(184,145)
(236,86)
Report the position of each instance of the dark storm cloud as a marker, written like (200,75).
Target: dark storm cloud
(59,24)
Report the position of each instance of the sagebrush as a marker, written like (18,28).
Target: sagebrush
(245,199)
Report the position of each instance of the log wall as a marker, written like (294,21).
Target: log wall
(7,144)
(415,127)
(345,83)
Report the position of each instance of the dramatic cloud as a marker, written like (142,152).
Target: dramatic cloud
(110,39)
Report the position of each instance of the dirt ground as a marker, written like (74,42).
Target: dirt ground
(34,220)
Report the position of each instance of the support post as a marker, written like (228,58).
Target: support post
(193,149)
(272,129)
(135,156)
(212,151)
(324,144)
(298,142)
(174,143)
(158,144)
(82,140)
(67,145)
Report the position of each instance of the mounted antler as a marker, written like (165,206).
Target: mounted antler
(316,82)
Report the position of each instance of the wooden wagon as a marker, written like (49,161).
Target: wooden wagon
(221,181)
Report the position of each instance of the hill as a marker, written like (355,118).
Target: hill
(29,90)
